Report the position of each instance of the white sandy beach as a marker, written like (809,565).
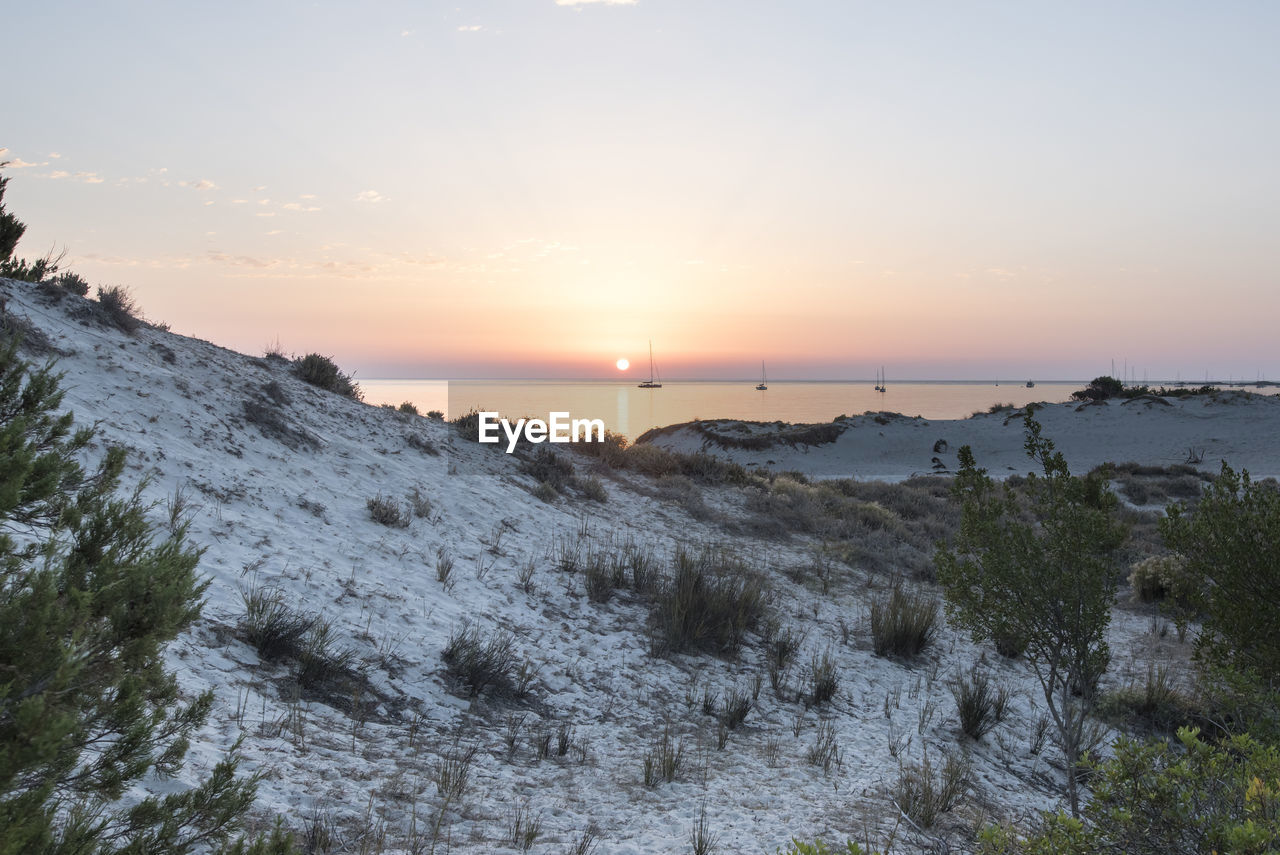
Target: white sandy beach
(289,510)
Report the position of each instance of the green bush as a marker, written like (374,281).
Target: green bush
(1099,389)
(407,408)
(120,308)
(481,662)
(1156,799)
(980,704)
(1231,543)
(323,372)
(903,623)
(89,595)
(709,605)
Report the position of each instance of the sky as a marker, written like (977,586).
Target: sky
(536,188)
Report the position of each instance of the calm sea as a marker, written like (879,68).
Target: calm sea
(631,411)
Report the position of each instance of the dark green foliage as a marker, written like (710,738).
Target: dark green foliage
(980,703)
(1036,562)
(120,308)
(407,408)
(479,662)
(1159,799)
(323,372)
(88,598)
(11,230)
(1231,543)
(1099,389)
(709,605)
(903,622)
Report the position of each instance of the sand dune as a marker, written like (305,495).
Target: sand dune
(1241,428)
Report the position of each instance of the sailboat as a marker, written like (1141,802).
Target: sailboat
(1031,384)
(654,381)
(764,379)
(881,385)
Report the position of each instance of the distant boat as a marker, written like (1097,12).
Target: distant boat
(1031,384)
(764,379)
(881,385)
(654,381)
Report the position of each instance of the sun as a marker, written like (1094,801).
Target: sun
(623,364)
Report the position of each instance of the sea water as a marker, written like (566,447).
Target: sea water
(630,411)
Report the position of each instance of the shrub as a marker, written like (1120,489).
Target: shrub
(1154,705)
(823,679)
(709,605)
(273,628)
(735,708)
(980,704)
(592,489)
(322,663)
(924,796)
(479,662)
(90,594)
(72,283)
(435,415)
(664,758)
(407,408)
(120,308)
(421,443)
(549,468)
(1232,547)
(1156,798)
(1157,577)
(323,372)
(903,623)
(1035,560)
(388,512)
(1099,389)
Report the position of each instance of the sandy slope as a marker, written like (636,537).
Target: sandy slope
(296,518)
(1238,427)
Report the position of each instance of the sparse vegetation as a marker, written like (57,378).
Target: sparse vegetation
(980,703)
(387,511)
(481,662)
(924,795)
(663,760)
(323,372)
(120,308)
(709,605)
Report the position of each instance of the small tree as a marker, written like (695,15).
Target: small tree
(1099,389)
(88,598)
(11,231)
(1231,543)
(1034,563)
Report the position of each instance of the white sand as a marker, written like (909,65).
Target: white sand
(1238,427)
(297,519)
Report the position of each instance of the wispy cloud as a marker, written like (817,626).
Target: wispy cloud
(19,163)
(470,28)
(298,206)
(370,196)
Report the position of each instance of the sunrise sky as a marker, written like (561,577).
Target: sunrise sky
(537,188)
